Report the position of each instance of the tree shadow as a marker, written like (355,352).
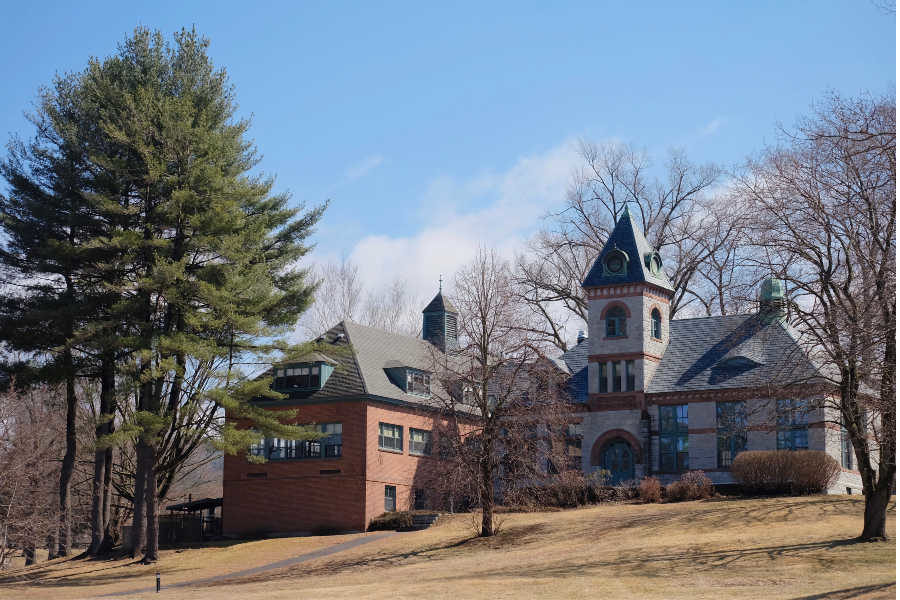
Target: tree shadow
(854,592)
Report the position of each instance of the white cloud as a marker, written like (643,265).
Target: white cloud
(713,126)
(498,209)
(363,167)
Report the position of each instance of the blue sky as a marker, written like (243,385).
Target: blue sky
(433,128)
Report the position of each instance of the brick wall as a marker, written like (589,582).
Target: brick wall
(295,496)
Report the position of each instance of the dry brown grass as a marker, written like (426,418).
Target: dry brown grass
(770,548)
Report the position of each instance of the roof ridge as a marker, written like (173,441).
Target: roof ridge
(343,324)
(714,317)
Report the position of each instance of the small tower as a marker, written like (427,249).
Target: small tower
(628,296)
(439,322)
(772,300)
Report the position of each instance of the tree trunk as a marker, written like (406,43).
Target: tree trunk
(30,554)
(68,463)
(487,499)
(98,499)
(876,512)
(109,540)
(53,543)
(152,506)
(139,520)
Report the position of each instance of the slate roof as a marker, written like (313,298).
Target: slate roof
(576,359)
(628,237)
(439,303)
(735,351)
(346,380)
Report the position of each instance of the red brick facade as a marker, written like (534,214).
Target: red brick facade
(343,493)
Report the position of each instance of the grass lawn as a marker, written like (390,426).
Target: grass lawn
(769,548)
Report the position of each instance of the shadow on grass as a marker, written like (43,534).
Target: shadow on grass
(855,592)
(507,538)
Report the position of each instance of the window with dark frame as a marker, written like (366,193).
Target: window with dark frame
(418,382)
(792,424)
(846,449)
(390,498)
(629,375)
(330,445)
(616,375)
(419,442)
(604,380)
(656,324)
(615,322)
(390,437)
(301,377)
(673,438)
(731,431)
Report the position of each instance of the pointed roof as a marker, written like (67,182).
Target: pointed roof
(440,304)
(628,238)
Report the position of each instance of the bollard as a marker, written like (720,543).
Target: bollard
(157,582)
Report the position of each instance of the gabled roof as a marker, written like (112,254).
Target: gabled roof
(735,351)
(629,238)
(439,303)
(576,359)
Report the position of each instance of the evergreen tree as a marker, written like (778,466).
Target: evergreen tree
(187,265)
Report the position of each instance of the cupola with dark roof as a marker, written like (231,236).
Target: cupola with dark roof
(627,257)
(439,322)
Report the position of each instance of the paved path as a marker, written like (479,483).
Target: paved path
(288,562)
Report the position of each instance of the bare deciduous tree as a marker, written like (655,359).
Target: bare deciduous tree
(672,211)
(825,206)
(340,296)
(503,400)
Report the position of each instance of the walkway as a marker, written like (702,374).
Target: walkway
(288,562)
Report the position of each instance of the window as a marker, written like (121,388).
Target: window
(793,424)
(258,448)
(604,381)
(418,383)
(330,445)
(615,322)
(573,446)
(731,431)
(673,438)
(390,437)
(616,262)
(301,377)
(419,499)
(656,324)
(390,498)
(419,442)
(629,375)
(846,449)
(617,375)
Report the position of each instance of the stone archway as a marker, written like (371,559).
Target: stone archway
(618,452)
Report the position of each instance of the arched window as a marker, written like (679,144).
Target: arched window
(615,322)
(656,324)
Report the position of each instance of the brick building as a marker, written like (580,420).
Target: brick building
(661,397)
(367,390)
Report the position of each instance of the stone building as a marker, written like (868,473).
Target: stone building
(660,397)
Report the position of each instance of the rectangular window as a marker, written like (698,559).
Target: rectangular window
(629,375)
(604,382)
(277,448)
(793,424)
(731,431)
(419,499)
(390,437)
(333,442)
(418,383)
(574,437)
(846,449)
(390,498)
(419,442)
(258,448)
(617,375)
(673,438)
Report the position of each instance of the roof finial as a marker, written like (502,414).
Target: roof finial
(440,282)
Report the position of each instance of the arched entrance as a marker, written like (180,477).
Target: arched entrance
(617,457)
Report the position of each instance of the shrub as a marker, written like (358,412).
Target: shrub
(785,471)
(391,520)
(650,490)
(693,485)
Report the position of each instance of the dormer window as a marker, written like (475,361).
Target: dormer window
(303,376)
(418,382)
(654,262)
(616,262)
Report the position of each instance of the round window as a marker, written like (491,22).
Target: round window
(615,264)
